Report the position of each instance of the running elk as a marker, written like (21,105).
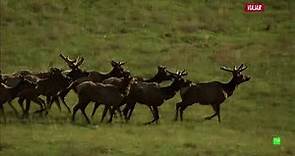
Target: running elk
(162,75)
(7,94)
(78,76)
(152,95)
(108,94)
(211,93)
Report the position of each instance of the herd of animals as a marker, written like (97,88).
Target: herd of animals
(117,90)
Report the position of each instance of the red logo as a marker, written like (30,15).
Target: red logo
(254,7)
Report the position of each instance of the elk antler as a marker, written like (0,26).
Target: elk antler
(67,60)
(113,63)
(121,63)
(226,69)
(183,73)
(79,61)
(243,67)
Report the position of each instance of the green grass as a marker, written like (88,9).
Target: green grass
(198,36)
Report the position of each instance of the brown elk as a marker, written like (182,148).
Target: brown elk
(211,93)
(108,94)
(162,75)
(117,71)
(7,94)
(48,87)
(152,95)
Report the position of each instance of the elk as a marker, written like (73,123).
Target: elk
(7,94)
(34,77)
(93,76)
(48,87)
(162,75)
(211,93)
(77,74)
(108,94)
(152,95)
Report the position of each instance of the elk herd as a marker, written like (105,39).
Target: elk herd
(118,90)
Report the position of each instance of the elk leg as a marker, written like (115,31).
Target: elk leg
(54,99)
(95,108)
(155,112)
(75,109)
(40,102)
(112,111)
(182,108)
(105,110)
(131,106)
(130,111)
(28,105)
(125,111)
(21,103)
(48,104)
(2,112)
(120,112)
(13,108)
(216,112)
(64,103)
(178,105)
(84,113)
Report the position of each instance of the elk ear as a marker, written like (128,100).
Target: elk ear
(162,67)
(113,63)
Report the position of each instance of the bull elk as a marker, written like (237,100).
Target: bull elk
(162,75)
(152,95)
(211,93)
(7,94)
(108,94)
(78,76)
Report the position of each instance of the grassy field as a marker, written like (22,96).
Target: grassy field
(198,36)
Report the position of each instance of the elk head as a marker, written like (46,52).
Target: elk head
(238,77)
(163,74)
(72,63)
(179,81)
(118,70)
(55,72)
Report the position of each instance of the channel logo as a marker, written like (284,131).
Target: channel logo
(253,7)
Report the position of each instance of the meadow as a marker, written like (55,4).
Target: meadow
(196,35)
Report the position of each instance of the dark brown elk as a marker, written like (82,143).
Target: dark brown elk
(48,87)
(7,94)
(31,92)
(152,95)
(211,93)
(77,74)
(108,94)
(162,75)
(117,71)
